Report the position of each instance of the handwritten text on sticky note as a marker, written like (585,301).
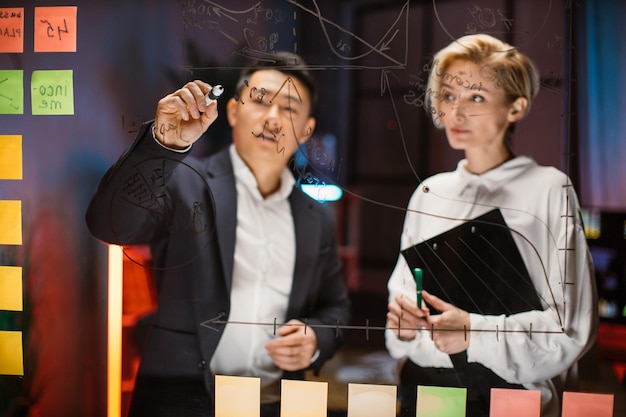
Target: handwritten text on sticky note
(52,92)
(55,29)
(11,92)
(12,29)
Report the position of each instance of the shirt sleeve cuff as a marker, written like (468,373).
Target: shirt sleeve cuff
(166,147)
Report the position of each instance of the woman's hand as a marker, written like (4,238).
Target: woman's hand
(450,329)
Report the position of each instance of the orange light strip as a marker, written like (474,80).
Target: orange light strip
(114,332)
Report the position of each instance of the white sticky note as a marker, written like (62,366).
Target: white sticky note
(237,396)
(303,398)
(371,400)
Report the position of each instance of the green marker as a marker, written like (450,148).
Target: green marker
(417,273)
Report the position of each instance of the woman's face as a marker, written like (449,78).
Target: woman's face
(476,111)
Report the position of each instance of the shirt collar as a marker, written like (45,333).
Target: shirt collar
(244,176)
(497,177)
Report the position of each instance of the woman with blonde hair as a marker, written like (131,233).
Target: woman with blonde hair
(517,308)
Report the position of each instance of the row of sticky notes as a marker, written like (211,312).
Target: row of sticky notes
(54,29)
(11,351)
(52,92)
(310,399)
(11,292)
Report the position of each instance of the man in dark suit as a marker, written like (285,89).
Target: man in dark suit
(232,239)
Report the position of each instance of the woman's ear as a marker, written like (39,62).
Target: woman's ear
(518,109)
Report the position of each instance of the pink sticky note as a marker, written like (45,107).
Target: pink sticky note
(514,403)
(581,404)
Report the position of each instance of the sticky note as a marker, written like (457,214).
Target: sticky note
(10,157)
(11,29)
(441,401)
(11,91)
(371,400)
(10,222)
(52,92)
(11,288)
(583,404)
(55,29)
(303,398)
(11,353)
(514,403)
(237,396)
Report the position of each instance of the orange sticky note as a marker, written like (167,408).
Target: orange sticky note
(582,404)
(10,157)
(11,29)
(10,222)
(514,403)
(303,398)
(55,29)
(11,288)
(237,396)
(11,353)
(371,400)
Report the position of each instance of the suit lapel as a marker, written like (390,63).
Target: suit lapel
(222,183)
(307,231)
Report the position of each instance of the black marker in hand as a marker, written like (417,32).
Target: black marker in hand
(213,94)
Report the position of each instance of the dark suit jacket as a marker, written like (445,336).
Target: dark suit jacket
(185,208)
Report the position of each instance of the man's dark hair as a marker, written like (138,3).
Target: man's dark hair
(288,63)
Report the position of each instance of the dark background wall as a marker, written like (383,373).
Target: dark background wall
(370,58)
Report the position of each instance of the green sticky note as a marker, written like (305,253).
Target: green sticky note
(52,92)
(441,401)
(11,92)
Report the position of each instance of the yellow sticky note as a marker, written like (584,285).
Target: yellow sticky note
(11,353)
(11,91)
(11,288)
(585,404)
(441,401)
(237,396)
(55,29)
(303,398)
(514,403)
(52,92)
(10,222)
(371,400)
(12,29)
(10,157)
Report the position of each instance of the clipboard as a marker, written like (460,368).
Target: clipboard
(477,267)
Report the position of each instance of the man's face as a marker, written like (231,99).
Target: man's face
(271,118)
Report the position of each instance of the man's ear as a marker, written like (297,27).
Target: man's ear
(518,109)
(309,127)
(231,111)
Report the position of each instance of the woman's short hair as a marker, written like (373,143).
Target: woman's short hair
(500,62)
